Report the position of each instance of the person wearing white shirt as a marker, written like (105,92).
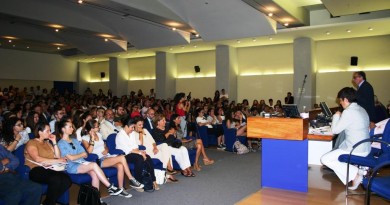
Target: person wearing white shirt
(354,121)
(128,144)
(94,143)
(108,126)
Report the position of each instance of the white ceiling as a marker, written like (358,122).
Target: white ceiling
(141,27)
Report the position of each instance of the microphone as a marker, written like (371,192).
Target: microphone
(305,77)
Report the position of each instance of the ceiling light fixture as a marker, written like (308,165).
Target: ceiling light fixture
(286,24)
(254,39)
(270,14)
(57,30)
(28,46)
(327,33)
(170,49)
(195,46)
(238,41)
(173,29)
(80,1)
(105,39)
(10,41)
(13,46)
(270,38)
(197,35)
(348,30)
(58,48)
(370,29)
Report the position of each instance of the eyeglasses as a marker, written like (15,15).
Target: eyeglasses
(19,125)
(71,144)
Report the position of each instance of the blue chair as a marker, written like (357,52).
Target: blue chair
(380,185)
(112,146)
(231,137)
(371,160)
(207,138)
(24,172)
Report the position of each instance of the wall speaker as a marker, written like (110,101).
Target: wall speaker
(102,74)
(354,60)
(197,69)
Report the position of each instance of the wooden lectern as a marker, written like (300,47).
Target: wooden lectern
(284,163)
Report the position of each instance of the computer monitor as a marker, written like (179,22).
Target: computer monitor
(325,109)
(291,111)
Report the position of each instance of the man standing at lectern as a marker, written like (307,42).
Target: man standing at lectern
(365,94)
(354,122)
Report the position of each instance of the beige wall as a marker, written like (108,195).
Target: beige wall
(24,65)
(5,83)
(96,69)
(276,59)
(142,68)
(186,62)
(144,85)
(199,87)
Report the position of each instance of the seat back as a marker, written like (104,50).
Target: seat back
(111,141)
(202,133)
(21,169)
(386,138)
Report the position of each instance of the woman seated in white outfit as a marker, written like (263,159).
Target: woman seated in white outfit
(354,121)
(93,142)
(161,151)
(162,135)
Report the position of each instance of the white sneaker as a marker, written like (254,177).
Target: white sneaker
(356,182)
(125,194)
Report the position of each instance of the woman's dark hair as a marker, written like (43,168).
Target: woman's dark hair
(348,93)
(40,127)
(138,119)
(61,124)
(8,129)
(30,120)
(89,126)
(197,111)
(178,97)
(172,121)
(127,121)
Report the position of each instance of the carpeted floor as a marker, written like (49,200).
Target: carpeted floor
(229,180)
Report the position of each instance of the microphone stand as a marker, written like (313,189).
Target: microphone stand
(300,93)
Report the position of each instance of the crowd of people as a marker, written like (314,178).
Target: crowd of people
(67,127)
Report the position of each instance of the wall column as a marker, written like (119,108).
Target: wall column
(119,76)
(83,75)
(226,70)
(304,65)
(166,70)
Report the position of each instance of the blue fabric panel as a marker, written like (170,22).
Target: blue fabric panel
(285,164)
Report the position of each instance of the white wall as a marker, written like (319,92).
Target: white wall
(24,65)
(186,62)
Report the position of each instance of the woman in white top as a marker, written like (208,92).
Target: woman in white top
(218,130)
(14,134)
(161,151)
(93,142)
(82,121)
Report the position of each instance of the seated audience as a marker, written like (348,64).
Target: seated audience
(44,150)
(93,142)
(354,121)
(14,189)
(13,135)
(190,143)
(161,151)
(108,125)
(163,135)
(72,150)
(128,144)
(32,120)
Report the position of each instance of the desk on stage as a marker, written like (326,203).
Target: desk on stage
(284,163)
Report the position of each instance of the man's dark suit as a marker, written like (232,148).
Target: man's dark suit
(147,125)
(365,98)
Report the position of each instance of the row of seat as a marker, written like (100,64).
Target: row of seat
(110,172)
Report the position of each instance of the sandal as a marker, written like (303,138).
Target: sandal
(172,180)
(208,161)
(185,173)
(192,174)
(197,168)
(156,187)
(171,172)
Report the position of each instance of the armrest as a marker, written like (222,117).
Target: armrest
(375,172)
(141,147)
(116,151)
(92,157)
(365,141)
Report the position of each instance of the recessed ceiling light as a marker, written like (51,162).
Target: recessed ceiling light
(270,14)
(286,24)
(195,46)
(348,30)
(28,46)
(197,35)
(170,49)
(327,33)
(370,29)
(238,41)
(13,46)
(80,1)
(119,54)
(254,39)
(105,39)
(173,29)
(270,38)
(58,48)
(10,41)
(182,47)
(57,30)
